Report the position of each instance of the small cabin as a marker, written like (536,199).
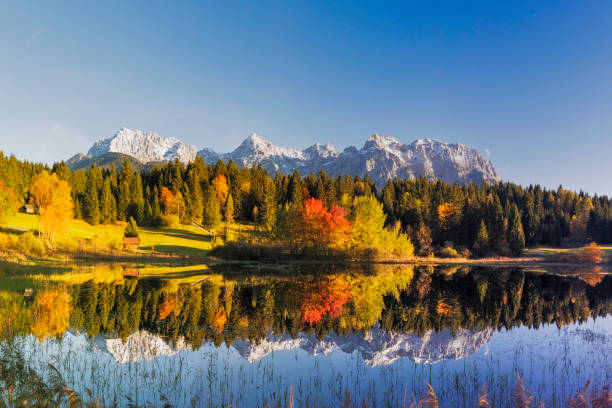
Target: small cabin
(131,273)
(131,243)
(28,209)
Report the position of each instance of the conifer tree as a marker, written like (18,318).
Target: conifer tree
(481,244)
(229,208)
(516,236)
(106,203)
(196,199)
(131,230)
(92,203)
(136,207)
(212,213)
(124,200)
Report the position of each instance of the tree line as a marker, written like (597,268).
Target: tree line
(437,217)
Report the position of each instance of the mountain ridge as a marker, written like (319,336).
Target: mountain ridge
(381,157)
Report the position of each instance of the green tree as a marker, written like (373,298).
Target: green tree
(136,206)
(516,236)
(131,230)
(229,208)
(481,244)
(92,203)
(107,202)
(212,213)
(124,200)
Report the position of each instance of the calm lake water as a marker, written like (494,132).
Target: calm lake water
(249,337)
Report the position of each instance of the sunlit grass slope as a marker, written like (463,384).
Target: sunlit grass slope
(182,240)
(546,251)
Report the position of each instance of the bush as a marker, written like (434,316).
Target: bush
(449,252)
(169,221)
(29,244)
(131,230)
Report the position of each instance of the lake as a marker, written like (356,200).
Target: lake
(315,334)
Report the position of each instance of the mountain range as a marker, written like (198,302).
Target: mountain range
(376,347)
(381,157)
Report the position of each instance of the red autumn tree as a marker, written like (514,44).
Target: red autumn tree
(322,227)
(325,297)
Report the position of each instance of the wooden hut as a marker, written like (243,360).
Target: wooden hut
(131,243)
(28,209)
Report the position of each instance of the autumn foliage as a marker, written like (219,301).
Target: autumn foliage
(591,253)
(326,297)
(219,183)
(53,198)
(324,227)
(51,313)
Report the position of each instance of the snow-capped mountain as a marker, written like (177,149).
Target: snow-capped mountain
(381,157)
(144,146)
(139,346)
(376,347)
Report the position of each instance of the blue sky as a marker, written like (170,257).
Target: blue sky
(530,82)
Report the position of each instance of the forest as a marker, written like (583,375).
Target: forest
(311,211)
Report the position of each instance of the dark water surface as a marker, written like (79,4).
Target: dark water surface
(249,337)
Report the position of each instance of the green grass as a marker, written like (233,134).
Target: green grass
(184,240)
(544,251)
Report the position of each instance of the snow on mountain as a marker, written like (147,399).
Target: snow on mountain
(376,347)
(381,157)
(144,146)
(139,346)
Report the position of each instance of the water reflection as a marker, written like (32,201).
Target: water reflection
(379,333)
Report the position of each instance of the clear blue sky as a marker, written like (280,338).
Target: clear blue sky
(529,81)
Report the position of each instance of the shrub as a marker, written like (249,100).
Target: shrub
(169,221)
(591,253)
(449,252)
(131,230)
(29,244)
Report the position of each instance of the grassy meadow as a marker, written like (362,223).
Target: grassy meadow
(183,240)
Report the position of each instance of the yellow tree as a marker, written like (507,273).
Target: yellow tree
(8,202)
(53,198)
(51,313)
(368,222)
(219,183)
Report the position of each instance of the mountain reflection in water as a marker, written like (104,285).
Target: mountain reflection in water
(379,332)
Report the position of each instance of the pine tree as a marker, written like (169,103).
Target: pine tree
(106,203)
(481,244)
(229,208)
(124,200)
(196,199)
(131,230)
(516,237)
(295,189)
(136,207)
(92,203)
(212,213)
(155,209)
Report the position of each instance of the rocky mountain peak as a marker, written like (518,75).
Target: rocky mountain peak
(381,157)
(144,146)
(379,142)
